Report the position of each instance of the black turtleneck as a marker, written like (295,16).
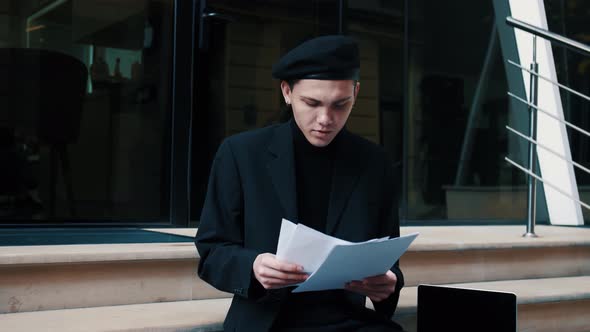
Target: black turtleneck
(313,176)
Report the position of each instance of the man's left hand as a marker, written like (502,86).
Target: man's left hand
(377,288)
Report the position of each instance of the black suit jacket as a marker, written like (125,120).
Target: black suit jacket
(252,187)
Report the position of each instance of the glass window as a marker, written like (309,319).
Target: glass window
(235,91)
(456,136)
(85,94)
(378,112)
(450,174)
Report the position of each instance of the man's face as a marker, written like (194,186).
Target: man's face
(321,107)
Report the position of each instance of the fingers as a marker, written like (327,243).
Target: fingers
(272,273)
(386,278)
(377,288)
(372,294)
(276,264)
(268,272)
(270,278)
(268,263)
(375,295)
(271,283)
(378,297)
(379,283)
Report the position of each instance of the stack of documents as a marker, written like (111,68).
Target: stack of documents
(332,262)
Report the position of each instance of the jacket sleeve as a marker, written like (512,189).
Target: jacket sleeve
(389,215)
(224,261)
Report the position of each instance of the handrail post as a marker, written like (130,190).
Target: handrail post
(532,181)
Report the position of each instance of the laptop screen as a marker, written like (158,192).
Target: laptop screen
(442,308)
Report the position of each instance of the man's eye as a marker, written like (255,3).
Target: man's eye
(340,106)
(311,104)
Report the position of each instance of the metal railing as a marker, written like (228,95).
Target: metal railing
(534,109)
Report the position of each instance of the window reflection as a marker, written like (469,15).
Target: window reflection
(235,91)
(96,148)
(453,174)
(106,159)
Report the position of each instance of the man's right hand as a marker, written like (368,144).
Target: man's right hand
(272,273)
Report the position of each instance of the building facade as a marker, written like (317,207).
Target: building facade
(126,134)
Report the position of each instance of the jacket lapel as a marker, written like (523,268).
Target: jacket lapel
(281,168)
(347,169)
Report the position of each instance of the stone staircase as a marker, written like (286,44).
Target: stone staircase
(550,275)
(154,287)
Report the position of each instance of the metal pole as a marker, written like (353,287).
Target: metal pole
(532,181)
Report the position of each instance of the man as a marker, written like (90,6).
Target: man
(309,170)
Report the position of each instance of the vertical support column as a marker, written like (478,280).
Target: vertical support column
(182,107)
(532,182)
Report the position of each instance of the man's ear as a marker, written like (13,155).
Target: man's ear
(286,90)
(356,89)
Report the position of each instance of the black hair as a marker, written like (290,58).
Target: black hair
(292,83)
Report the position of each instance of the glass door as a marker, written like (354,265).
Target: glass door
(238,41)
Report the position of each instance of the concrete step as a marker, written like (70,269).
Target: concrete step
(196,316)
(34,278)
(454,254)
(552,304)
(544,305)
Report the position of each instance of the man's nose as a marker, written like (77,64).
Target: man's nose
(324,117)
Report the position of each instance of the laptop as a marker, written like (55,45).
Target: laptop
(442,308)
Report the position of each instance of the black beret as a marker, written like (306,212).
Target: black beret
(322,58)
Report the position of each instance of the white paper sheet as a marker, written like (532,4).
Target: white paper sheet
(304,245)
(287,230)
(356,261)
(331,262)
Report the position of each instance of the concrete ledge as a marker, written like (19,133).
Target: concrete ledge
(201,316)
(35,278)
(551,304)
(479,265)
(432,238)
(28,255)
(569,316)
(438,238)
(527,291)
(82,285)
(446,238)
(544,305)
